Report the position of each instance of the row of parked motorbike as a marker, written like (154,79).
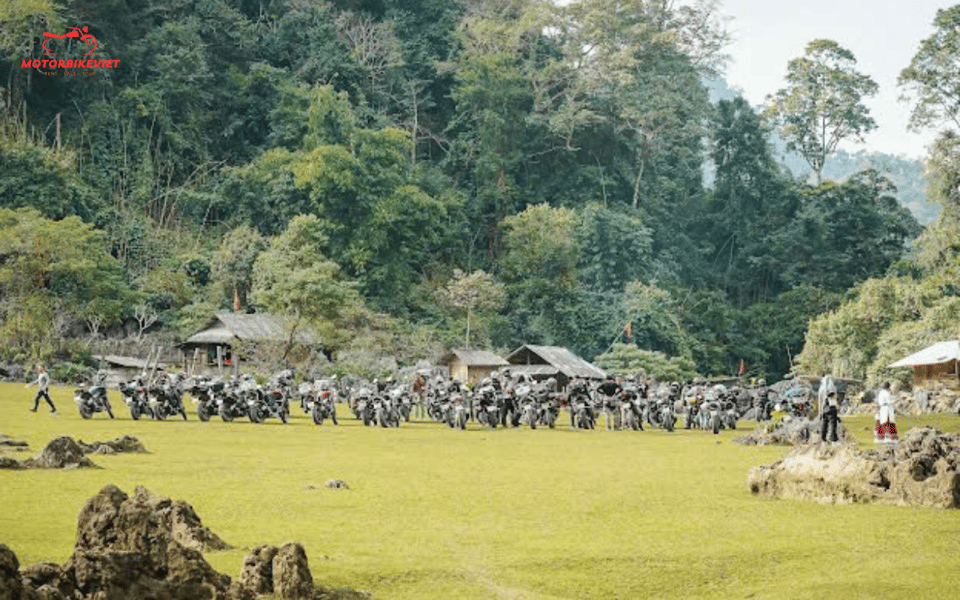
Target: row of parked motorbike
(492,403)
(228,398)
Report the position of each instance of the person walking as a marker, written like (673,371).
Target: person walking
(886,428)
(43,383)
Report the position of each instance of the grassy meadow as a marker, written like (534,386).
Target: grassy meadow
(437,513)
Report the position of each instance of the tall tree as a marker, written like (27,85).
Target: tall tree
(822,104)
(933,76)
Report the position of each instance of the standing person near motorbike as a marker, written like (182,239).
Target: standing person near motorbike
(761,401)
(886,429)
(608,389)
(43,384)
(829,409)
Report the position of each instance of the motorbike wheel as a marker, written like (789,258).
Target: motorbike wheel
(202,413)
(108,409)
(183,413)
(254,414)
(85,412)
(715,423)
(333,415)
(283,415)
(159,414)
(135,412)
(225,414)
(317,415)
(669,423)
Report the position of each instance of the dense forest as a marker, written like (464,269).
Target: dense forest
(410,176)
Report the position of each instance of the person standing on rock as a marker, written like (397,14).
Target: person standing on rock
(886,430)
(829,407)
(43,383)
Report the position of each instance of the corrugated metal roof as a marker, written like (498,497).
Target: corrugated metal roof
(473,358)
(938,353)
(260,327)
(565,361)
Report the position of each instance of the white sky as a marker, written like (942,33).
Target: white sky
(882,34)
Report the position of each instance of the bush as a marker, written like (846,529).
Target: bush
(70,372)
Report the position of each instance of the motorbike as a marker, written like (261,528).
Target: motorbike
(232,402)
(486,409)
(166,398)
(631,412)
(528,413)
(457,412)
(323,405)
(92,398)
(136,397)
(581,407)
(668,418)
(362,403)
(264,404)
(204,392)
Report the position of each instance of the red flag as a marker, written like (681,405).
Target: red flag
(236,300)
(743,368)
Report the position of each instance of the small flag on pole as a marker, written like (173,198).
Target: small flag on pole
(743,368)
(236,300)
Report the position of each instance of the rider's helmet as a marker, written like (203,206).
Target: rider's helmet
(551,384)
(762,382)
(485,382)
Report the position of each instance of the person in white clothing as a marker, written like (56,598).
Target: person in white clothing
(886,429)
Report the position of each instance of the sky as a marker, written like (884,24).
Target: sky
(883,35)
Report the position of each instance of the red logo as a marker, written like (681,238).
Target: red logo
(85,37)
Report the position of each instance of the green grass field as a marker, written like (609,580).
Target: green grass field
(438,513)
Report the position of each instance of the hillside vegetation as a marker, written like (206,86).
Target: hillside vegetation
(356,163)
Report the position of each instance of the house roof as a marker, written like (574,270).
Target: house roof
(224,328)
(940,352)
(130,362)
(473,358)
(566,362)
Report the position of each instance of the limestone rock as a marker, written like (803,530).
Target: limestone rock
(60,453)
(922,470)
(10,586)
(123,444)
(257,572)
(292,579)
(791,431)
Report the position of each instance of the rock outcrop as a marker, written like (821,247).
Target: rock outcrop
(922,470)
(120,445)
(60,453)
(9,443)
(791,431)
(148,547)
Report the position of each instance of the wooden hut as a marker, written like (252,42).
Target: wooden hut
(216,344)
(541,362)
(470,366)
(936,365)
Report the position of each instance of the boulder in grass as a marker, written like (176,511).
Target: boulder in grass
(60,453)
(922,470)
(790,431)
(121,445)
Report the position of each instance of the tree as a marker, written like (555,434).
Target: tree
(473,292)
(294,278)
(933,76)
(53,273)
(233,262)
(823,102)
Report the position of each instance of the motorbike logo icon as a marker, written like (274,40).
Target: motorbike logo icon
(85,37)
